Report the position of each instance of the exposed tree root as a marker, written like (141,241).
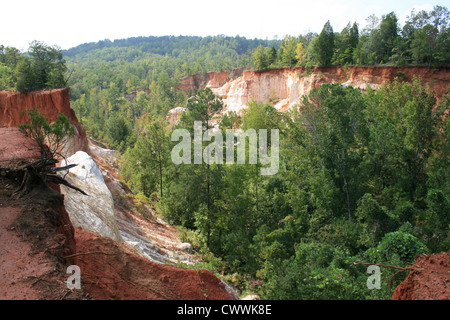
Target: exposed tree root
(37,173)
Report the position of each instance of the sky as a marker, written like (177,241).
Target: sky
(69,23)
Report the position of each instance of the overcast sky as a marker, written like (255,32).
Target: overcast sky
(70,23)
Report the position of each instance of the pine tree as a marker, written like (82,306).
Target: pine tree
(325,45)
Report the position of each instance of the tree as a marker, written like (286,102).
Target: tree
(398,245)
(374,219)
(345,44)
(386,36)
(203,107)
(334,126)
(145,165)
(372,24)
(200,183)
(377,40)
(354,36)
(51,139)
(9,58)
(428,35)
(272,55)
(261,58)
(44,69)
(411,113)
(316,271)
(25,76)
(117,131)
(342,53)
(48,65)
(325,45)
(301,53)
(288,51)
(6,77)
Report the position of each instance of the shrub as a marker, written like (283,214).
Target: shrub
(399,244)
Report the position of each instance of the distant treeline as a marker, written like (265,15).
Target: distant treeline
(172,45)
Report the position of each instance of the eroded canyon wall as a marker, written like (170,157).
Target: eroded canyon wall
(284,87)
(13,105)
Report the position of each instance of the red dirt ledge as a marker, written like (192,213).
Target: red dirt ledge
(429,280)
(110,271)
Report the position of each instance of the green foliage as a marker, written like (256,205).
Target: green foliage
(44,69)
(144,165)
(261,58)
(439,205)
(288,52)
(334,125)
(202,107)
(198,186)
(6,77)
(345,44)
(397,245)
(117,131)
(9,58)
(50,137)
(374,219)
(316,272)
(324,47)
(427,34)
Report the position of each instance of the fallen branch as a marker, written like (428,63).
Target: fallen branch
(391,278)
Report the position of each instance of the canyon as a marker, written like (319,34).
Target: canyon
(125,250)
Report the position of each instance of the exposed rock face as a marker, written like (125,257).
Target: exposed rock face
(284,87)
(195,82)
(151,237)
(95,211)
(50,103)
(174,115)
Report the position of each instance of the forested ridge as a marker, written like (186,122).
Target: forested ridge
(364,176)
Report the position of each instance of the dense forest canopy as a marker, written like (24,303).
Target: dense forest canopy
(363,176)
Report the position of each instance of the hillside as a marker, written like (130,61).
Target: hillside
(174,45)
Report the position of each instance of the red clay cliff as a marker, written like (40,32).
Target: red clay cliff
(50,103)
(285,86)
